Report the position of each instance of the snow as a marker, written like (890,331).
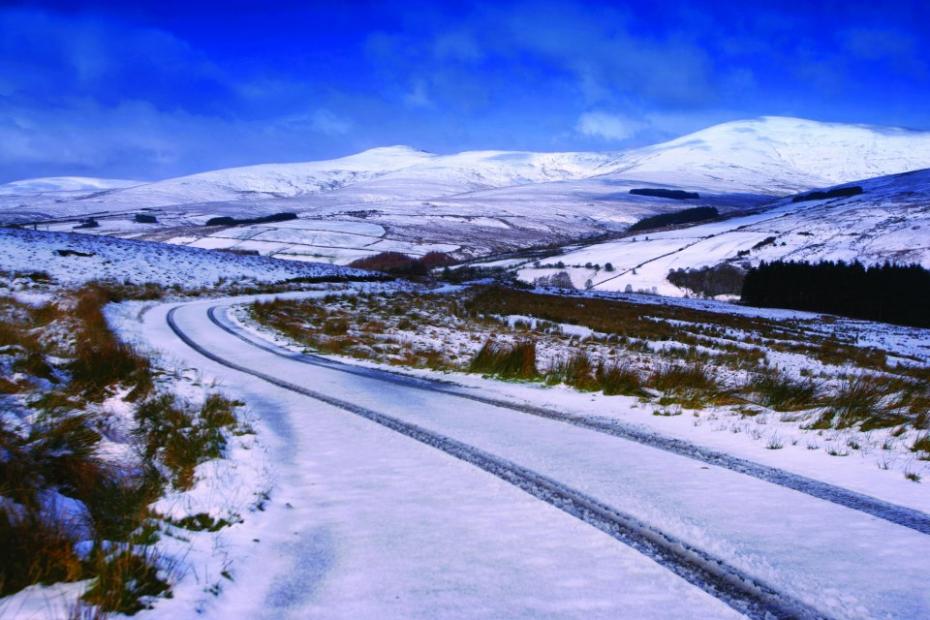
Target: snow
(889,221)
(405,519)
(779,155)
(483,202)
(63,184)
(142,261)
(405,531)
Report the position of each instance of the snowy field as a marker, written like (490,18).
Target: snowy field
(72,258)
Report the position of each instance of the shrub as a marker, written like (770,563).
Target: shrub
(122,579)
(616,379)
(782,394)
(100,359)
(517,361)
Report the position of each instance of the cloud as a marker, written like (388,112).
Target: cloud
(614,127)
(418,96)
(325,122)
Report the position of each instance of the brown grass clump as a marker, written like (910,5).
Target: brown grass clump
(618,379)
(576,370)
(100,359)
(181,438)
(517,361)
(780,393)
(122,579)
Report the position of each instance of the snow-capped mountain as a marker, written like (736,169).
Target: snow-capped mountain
(473,203)
(778,155)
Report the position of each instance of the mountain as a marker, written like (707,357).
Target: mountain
(888,221)
(479,202)
(63,184)
(778,155)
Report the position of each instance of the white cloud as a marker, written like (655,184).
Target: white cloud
(325,122)
(608,126)
(418,96)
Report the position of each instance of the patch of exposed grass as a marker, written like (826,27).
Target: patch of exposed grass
(508,361)
(856,401)
(576,370)
(100,359)
(34,551)
(124,580)
(780,393)
(181,438)
(922,446)
(619,379)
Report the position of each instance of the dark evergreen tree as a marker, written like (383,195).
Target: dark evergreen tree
(890,293)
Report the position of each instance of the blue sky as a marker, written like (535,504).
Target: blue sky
(155,89)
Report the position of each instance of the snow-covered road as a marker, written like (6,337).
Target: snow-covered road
(369,520)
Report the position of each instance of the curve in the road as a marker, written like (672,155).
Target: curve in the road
(741,591)
(893,513)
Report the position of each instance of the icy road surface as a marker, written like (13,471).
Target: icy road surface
(367,520)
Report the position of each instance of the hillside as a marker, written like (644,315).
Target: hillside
(778,155)
(888,221)
(475,203)
(72,259)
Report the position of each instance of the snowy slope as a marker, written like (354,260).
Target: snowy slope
(380,173)
(63,184)
(123,260)
(779,155)
(890,220)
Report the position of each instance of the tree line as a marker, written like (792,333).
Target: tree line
(890,293)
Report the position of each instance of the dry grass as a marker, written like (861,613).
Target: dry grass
(507,361)
(57,449)
(693,357)
(100,359)
(123,579)
(780,393)
(182,438)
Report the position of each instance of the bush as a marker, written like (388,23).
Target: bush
(619,380)
(782,394)
(517,361)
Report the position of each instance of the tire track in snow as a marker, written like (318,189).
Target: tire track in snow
(744,593)
(893,513)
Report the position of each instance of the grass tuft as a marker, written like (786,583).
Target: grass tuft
(517,361)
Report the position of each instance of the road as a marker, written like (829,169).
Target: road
(402,500)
